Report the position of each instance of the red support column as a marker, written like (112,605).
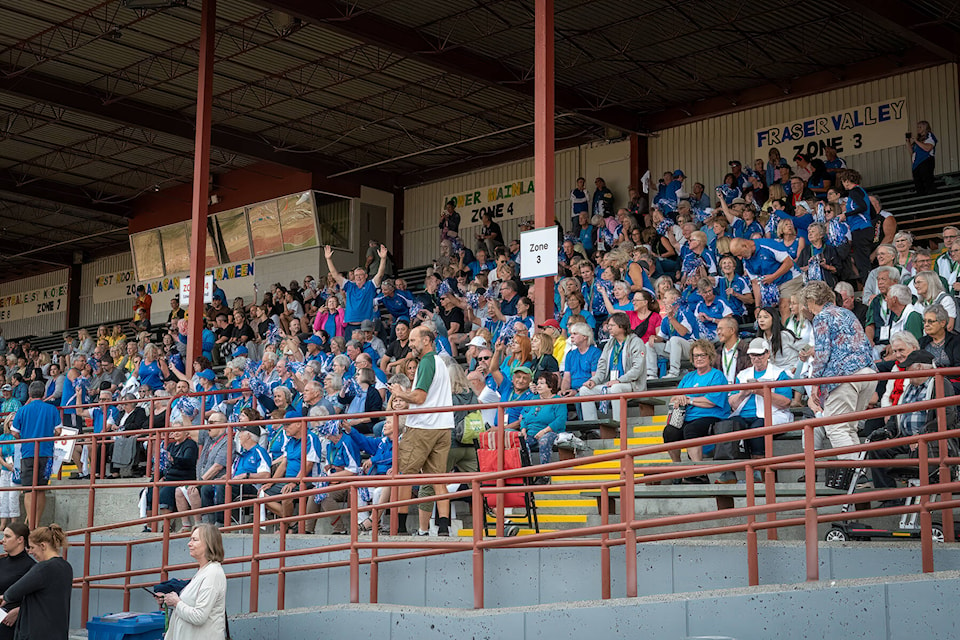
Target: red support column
(543,176)
(201,180)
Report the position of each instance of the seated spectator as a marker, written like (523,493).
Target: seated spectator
(748,405)
(930,292)
(541,424)
(819,260)
(361,398)
(397,350)
(710,309)
(886,255)
(507,356)
(673,338)
(734,289)
(211,465)
(644,317)
(575,304)
(541,354)
(702,409)
(182,454)
(251,462)
(484,394)
(621,369)
(784,344)
(732,356)
(288,474)
(516,391)
(341,459)
(918,389)
(897,314)
(942,344)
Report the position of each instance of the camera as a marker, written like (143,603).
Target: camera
(908,135)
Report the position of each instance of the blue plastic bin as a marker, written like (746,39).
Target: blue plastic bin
(145,626)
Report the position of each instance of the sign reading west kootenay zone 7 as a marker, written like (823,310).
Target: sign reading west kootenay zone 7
(501,201)
(859,129)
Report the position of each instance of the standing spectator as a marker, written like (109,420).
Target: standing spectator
(449,222)
(622,367)
(602,199)
(13,566)
(43,593)
(841,348)
(698,198)
(9,500)
(426,443)
(141,309)
(373,260)
(767,263)
(176,312)
(36,419)
(580,203)
(859,215)
(923,148)
(199,611)
(359,291)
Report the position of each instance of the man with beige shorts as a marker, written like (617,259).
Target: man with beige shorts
(426,442)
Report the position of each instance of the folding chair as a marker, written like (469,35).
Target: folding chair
(515,456)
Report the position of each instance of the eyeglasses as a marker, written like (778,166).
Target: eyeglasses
(950,237)
(483,358)
(694,356)
(930,320)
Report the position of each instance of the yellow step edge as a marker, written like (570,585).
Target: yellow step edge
(560,517)
(651,428)
(574,502)
(635,441)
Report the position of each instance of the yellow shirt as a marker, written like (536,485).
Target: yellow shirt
(559,348)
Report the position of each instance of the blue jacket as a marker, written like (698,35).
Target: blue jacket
(380,450)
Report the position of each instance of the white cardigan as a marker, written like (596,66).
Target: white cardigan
(200,613)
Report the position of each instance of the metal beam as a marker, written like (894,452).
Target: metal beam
(815,83)
(59,194)
(80,99)
(911,23)
(393,36)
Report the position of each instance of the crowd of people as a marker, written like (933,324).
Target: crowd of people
(783,271)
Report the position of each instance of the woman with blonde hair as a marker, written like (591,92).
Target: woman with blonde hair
(930,291)
(541,354)
(199,611)
(43,593)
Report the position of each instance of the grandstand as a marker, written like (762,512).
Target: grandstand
(745,368)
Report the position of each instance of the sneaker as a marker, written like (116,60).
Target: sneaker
(420,534)
(443,527)
(696,480)
(727,477)
(757,476)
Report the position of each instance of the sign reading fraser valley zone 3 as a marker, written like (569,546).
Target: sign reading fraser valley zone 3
(501,201)
(859,129)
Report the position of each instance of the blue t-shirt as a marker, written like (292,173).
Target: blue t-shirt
(36,419)
(359,305)
(919,154)
(291,449)
(712,378)
(150,375)
(581,366)
(766,259)
(254,460)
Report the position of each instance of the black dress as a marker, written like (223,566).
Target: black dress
(12,568)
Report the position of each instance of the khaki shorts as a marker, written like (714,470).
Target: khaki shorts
(424,451)
(790,288)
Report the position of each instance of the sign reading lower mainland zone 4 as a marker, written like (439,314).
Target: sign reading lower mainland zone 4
(539,253)
(859,129)
(502,201)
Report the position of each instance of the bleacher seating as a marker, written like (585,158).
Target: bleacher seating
(923,216)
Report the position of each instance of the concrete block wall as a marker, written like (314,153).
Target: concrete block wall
(866,608)
(513,577)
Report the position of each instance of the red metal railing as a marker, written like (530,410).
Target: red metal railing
(627,532)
